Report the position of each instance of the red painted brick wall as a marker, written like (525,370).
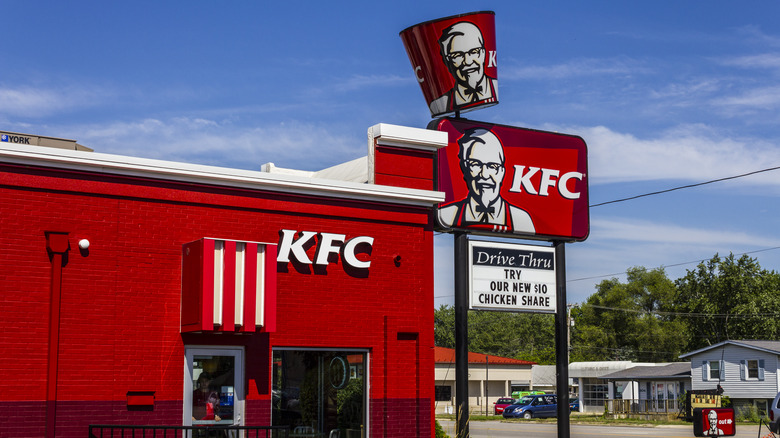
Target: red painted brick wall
(120,308)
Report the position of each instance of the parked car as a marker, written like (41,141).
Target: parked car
(518,394)
(500,404)
(533,406)
(774,414)
(574,404)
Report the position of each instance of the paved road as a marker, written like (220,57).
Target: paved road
(498,429)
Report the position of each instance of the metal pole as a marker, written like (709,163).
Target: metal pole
(487,382)
(461,335)
(561,341)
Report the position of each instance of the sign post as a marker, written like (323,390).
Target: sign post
(561,343)
(498,180)
(461,335)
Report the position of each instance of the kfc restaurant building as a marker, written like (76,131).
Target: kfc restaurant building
(148,292)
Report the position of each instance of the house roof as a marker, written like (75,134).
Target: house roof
(772,347)
(447,355)
(673,370)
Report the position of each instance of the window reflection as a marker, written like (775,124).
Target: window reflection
(213,389)
(318,392)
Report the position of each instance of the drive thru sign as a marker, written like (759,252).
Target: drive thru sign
(512,277)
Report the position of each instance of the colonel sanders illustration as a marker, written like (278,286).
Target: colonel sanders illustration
(712,418)
(463,52)
(481,157)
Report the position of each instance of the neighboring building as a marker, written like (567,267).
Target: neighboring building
(656,388)
(747,371)
(593,390)
(498,375)
(544,378)
(150,292)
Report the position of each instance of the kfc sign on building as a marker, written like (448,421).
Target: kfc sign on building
(503,179)
(293,246)
(454,60)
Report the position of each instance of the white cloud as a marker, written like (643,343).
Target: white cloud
(687,153)
(357,82)
(760,98)
(37,102)
(637,230)
(295,144)
(574,68)
(764,60)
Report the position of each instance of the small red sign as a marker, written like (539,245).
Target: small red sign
(504,179)
(714,422)
(454,60)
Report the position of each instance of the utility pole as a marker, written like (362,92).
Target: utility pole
(487,382)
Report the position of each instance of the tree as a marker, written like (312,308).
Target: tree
(523,336)
(729,299)
(626,321)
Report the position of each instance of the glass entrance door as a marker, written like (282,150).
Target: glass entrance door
(213,386)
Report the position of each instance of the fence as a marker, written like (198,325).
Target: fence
(216,431)
(636,406)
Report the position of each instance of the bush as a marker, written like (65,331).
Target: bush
(748,414)
(440,431)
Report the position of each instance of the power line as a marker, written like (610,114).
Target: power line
(691,314)
(670,266)
(684,187)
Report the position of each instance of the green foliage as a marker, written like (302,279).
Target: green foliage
(523,336)
(747,414)
(349,404)
(649,318)
(623,321)
(729,299)
(440,433)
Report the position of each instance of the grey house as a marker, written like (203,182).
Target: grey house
(648,389)
(746,370)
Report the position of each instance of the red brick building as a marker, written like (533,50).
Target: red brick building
(147,292)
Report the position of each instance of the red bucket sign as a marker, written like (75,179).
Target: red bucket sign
(714,422)
(503,179)
(454,60)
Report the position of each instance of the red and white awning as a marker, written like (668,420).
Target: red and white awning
(228,286)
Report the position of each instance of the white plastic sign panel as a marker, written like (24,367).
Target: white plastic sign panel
(512,277)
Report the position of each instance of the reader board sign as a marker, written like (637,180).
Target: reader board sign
(454,61)
(714,422)
(512,277)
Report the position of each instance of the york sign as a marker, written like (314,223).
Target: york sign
(293,246)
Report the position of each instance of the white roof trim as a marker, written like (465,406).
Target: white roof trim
(222,176)
(404,136)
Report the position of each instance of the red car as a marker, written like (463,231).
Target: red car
(500,404)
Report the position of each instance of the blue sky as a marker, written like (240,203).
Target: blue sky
(664,93)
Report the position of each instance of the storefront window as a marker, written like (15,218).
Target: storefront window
(213,390)
(443,393)
(594,392)
(317,392)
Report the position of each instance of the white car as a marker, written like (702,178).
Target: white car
(774,414)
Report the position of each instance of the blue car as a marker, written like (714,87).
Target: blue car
(533,406)
(574,404)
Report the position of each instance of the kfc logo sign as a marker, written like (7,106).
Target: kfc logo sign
(454,60)
(502,179)
(354,252)
(549,178)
